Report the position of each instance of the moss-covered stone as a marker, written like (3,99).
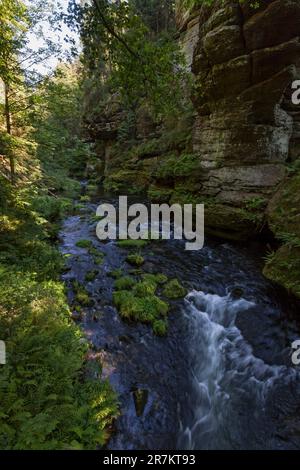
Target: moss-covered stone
(91,275)
(135,259)
(98,256)
(116,273)
(85,198)
(132,244)
(124,283)
(284,220)
(174,290)
(140,401)
(143,309)
(155,278)
(140,303)
(84,244)
(81,295)
(284,268)
(160,327)
(144,288)
(159,194)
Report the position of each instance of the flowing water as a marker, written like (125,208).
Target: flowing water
(223,377)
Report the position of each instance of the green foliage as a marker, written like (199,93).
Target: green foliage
(81,295)
(160,327)
(124,283)
(155,278)
(85,198)
(195,3)
(51,208)
(132,243)
(145,288)
(135,259)
(91,275)
(116,273)
(138,301)
(144,309)
(86,244)
(174,290)
(98,256)
(142,65)
(45,401)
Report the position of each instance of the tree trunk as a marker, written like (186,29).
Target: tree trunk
(8,130)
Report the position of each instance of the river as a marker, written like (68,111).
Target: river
(223,377)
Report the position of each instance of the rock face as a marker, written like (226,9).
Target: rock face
(244,62)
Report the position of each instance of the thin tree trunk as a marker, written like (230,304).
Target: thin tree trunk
(8,130)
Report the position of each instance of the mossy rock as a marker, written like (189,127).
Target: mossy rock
(155,278)
(159,194)
(125,283)
(91,275)
(284,208)
(160,327)
(135,260)
(116,273)
(129,181)
(132,243)
(82,296)
(284,268)
(84,299)
(144,309)
(284,220)
(231,223)
(84,244)
(174,290)
(85,198)
(145,288)
(140,401)
(98,256)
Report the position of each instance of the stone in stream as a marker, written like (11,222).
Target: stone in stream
(140,397)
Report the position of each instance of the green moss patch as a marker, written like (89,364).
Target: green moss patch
(116,273)
(98,256)
(81,295)
(84,244)
(142,309)
(141,304)
(174,290)
(132,243)
(124,283)
(160,327)
(91,275)
(284,268)
(135,259)
(156,278)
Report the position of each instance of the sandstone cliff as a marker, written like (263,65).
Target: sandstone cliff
(244,61)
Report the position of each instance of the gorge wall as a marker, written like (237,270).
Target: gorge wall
(246,129)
